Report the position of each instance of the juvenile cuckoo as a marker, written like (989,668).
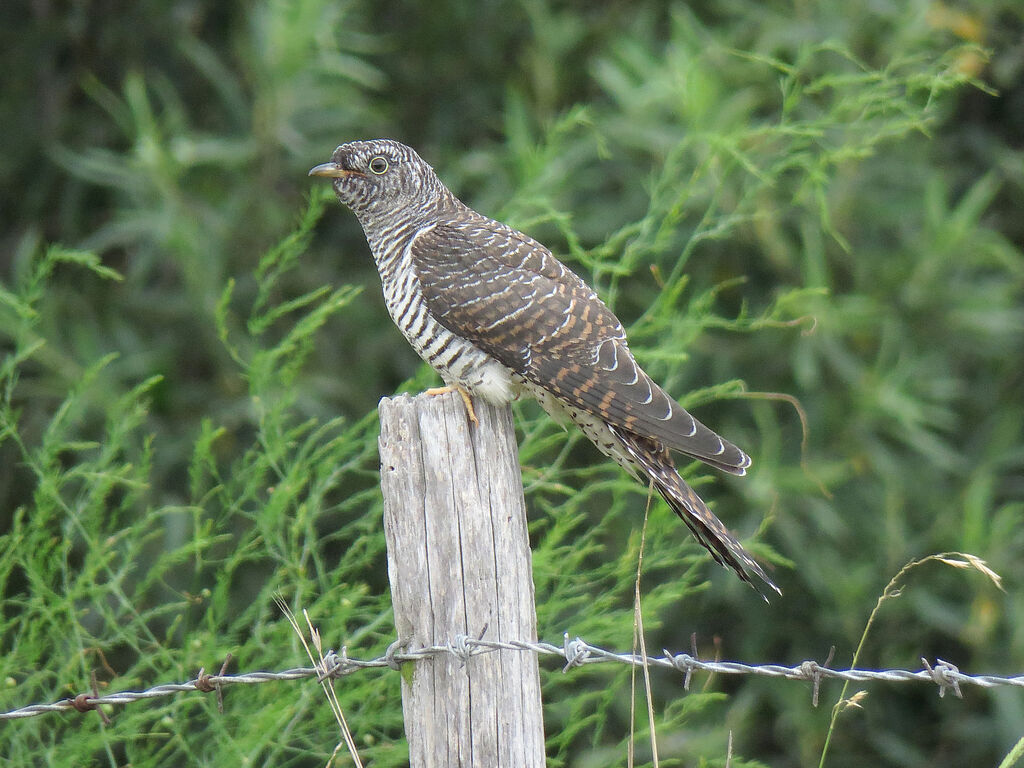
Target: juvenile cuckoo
(497,315)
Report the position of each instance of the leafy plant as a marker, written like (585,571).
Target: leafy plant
(807,217)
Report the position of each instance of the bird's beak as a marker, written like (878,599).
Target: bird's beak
(333,170)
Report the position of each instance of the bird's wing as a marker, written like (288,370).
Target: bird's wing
(511,297)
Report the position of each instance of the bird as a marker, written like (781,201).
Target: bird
(498,316)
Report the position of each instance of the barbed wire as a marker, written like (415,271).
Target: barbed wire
(575,652)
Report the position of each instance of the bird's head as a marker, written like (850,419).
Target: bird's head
(382,177)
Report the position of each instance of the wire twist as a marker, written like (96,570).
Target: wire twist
(575,653)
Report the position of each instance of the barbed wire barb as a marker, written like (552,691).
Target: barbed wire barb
(575,653)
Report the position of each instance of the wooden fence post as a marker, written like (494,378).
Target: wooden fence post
(459,564)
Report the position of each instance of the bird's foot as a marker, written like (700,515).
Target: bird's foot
(465,399)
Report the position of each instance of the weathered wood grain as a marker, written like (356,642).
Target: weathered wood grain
(459,563)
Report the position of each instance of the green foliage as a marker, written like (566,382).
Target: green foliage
(806,216)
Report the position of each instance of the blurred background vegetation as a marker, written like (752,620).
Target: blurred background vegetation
(820,200)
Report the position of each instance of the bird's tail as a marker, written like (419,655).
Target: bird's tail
(656,462)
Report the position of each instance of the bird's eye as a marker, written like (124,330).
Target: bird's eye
(379,165)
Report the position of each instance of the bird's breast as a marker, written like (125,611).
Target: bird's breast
(456,358)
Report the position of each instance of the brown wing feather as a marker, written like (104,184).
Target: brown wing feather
(510,296)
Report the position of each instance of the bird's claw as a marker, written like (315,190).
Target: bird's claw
(470,412)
